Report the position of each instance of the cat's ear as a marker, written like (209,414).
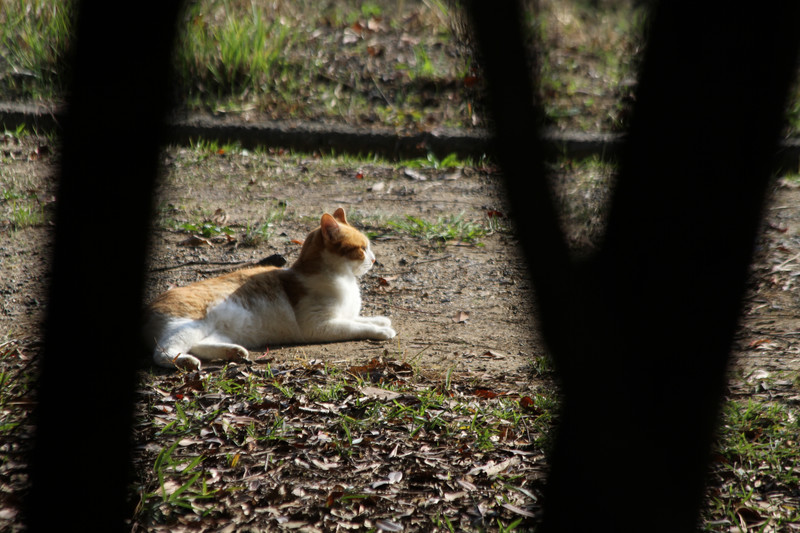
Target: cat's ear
(330,228)
(339,215)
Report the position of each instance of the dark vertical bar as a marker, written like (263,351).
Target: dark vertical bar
(80,465)
(642,357)
(518,147)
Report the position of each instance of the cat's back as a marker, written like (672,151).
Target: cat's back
(194,300)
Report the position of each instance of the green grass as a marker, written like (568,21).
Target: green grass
(206,229)
(20,205)
(442,230)
(227,48)
(181,485)
(16,381)
(263,230)
(34,38)
(290,59)
(756,466)
(207,225)
(431,161)
(21,210)
(296,59)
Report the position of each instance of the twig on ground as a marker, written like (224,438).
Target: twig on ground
(197,263)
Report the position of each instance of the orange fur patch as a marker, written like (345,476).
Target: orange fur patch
(193,300)
(334,235)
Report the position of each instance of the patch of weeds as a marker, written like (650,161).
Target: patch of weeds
(206,148)
(431,161)
(227,50)
(331,391)
(444,229)
(791,178)
(15,383)
(755,467)
(206,229)
(262,231)
(443,522)
(34,38)
(21,209)
(502,528)
(371,9)
(187,417)
(182,485)
(231,383)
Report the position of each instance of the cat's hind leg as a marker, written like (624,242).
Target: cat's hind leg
(172,346)
(219,351)
(183,361)
(216,347)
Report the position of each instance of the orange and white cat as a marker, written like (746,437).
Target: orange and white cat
(317,299)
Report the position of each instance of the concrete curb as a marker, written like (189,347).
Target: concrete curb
(309,136)
(325,137)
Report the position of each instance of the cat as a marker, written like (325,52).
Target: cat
(316,299)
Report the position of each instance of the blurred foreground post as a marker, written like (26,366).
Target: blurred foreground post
(80,468)
(641,333)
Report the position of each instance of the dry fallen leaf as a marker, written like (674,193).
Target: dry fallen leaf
(220,217)
(492,469)
(414,175)
(461,317)
(381,394)
(375,24)
(760,343)
(452,176)
(384,281)
(466,484)
(470,80)
(195,240)
(518,510)
(388,525)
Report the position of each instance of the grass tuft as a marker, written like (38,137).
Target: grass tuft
(34,38)
(756,468)
(444,229)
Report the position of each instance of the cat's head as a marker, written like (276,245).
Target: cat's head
(336,245)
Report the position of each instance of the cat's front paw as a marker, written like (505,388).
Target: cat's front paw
(385,333)
(380,321)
